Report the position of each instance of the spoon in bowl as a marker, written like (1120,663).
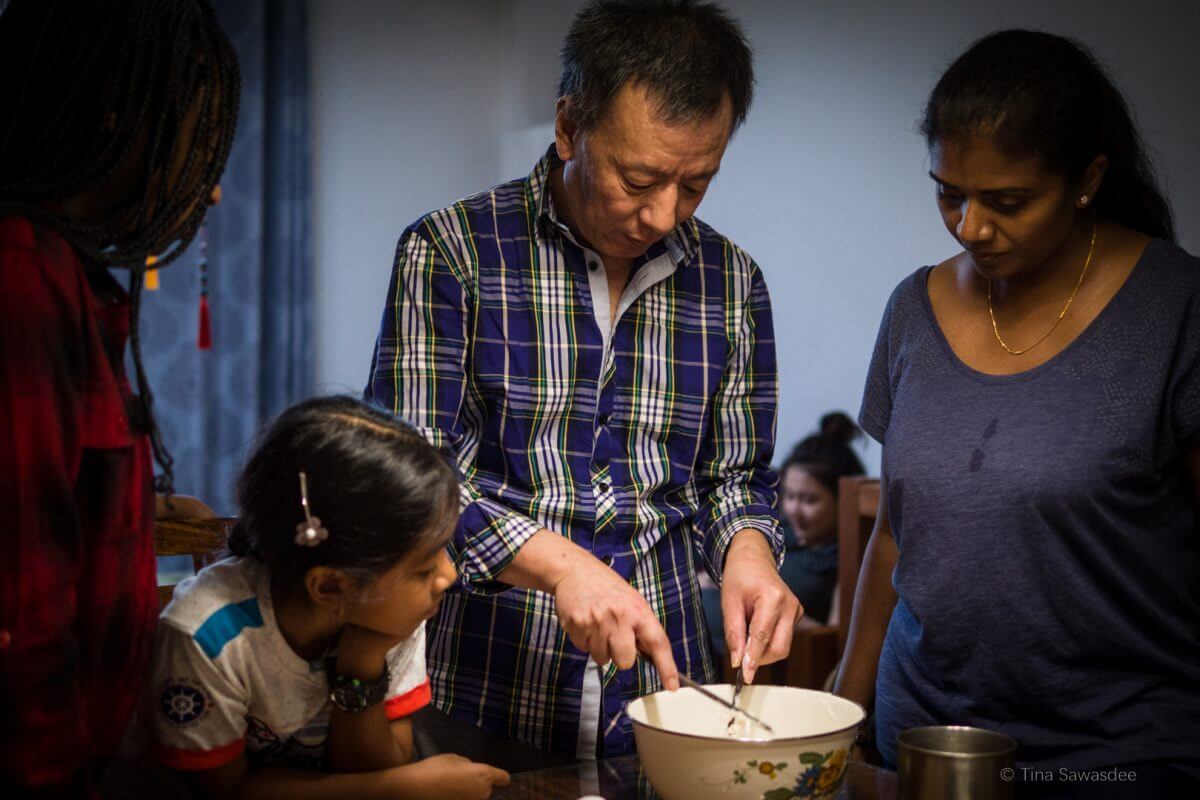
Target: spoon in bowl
(738,683)
(691,684)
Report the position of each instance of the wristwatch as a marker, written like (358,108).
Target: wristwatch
(352,695)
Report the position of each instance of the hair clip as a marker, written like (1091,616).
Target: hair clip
(309,533)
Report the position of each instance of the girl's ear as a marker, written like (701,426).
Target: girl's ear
(328,587)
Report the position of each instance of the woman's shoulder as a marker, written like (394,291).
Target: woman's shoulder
(24,234)
(1173,267)
(908,301)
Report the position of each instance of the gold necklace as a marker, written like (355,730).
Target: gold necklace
(1071,299)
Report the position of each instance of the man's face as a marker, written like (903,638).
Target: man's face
(631,179)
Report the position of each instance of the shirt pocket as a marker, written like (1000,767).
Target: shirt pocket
(109,491)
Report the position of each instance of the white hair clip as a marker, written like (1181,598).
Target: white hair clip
(309,533)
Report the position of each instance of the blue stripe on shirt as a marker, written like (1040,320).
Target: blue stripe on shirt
(226,623)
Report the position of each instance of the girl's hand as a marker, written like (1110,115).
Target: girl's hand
(362,653)
(452,777)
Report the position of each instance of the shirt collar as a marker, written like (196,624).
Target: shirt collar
(680,243)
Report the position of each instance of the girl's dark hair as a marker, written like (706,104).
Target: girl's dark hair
(87,87)
(1037,94)
(827,455)
(378,486)
(689,55)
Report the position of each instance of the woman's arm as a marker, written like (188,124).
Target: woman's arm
(874,601)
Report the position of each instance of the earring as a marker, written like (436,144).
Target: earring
(1083,201)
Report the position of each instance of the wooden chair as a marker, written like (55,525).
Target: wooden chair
(202,539)
(858,503)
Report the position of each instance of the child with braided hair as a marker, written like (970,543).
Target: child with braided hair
(118,119)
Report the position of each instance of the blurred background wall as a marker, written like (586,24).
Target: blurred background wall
(415,104)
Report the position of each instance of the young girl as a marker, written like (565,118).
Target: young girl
(295,665)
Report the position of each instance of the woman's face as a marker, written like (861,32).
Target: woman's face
(401,599)
(809,508)
(1011,214)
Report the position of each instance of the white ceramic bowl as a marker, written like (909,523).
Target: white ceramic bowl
(687,755)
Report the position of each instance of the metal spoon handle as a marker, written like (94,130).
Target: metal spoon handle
(691,684)
(738,683)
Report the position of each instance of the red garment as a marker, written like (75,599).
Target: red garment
(77,569)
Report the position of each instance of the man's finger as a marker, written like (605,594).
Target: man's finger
(622,646)
(762,627)
(781,641)
(734,613)
(652,640)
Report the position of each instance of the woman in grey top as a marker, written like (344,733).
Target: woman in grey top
(1035,567)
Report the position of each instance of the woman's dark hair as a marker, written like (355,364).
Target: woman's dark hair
(688,55)
(827,455)
(376,484)
(1037,94)
(92,87)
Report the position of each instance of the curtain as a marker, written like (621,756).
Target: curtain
(210,404)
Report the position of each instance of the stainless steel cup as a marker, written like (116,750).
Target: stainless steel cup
(954,762)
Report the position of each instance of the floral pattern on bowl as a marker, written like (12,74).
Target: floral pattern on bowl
(814,776)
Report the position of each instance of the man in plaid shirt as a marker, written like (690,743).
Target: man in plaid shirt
(602,364)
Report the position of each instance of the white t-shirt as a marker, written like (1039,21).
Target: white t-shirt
(223,679)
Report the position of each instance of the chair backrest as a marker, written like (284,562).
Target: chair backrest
(858,504)
(202,539)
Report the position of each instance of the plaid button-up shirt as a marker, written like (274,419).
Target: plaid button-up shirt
(647,442)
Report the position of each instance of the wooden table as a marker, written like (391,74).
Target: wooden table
(622,779)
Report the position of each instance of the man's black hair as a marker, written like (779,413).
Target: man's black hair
(688,55)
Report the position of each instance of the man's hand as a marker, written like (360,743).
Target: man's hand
(601,613)
(609,619)
(754,598)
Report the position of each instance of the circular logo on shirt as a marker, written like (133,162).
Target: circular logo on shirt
(183,704)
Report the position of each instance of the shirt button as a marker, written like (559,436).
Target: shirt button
(603,487)
(603,419)
(593,265)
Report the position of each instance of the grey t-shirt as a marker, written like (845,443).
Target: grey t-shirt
(1049,547)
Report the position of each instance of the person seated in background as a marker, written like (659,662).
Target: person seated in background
(808,504)
(294,666)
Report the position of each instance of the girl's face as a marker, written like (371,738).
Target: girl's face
(809,508)
(1010,214)
(401,599)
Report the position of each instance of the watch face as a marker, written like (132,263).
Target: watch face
(348,698)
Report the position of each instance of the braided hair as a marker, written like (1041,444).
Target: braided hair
(132,103)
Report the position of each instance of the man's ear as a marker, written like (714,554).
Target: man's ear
(565,129)
(328,587)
